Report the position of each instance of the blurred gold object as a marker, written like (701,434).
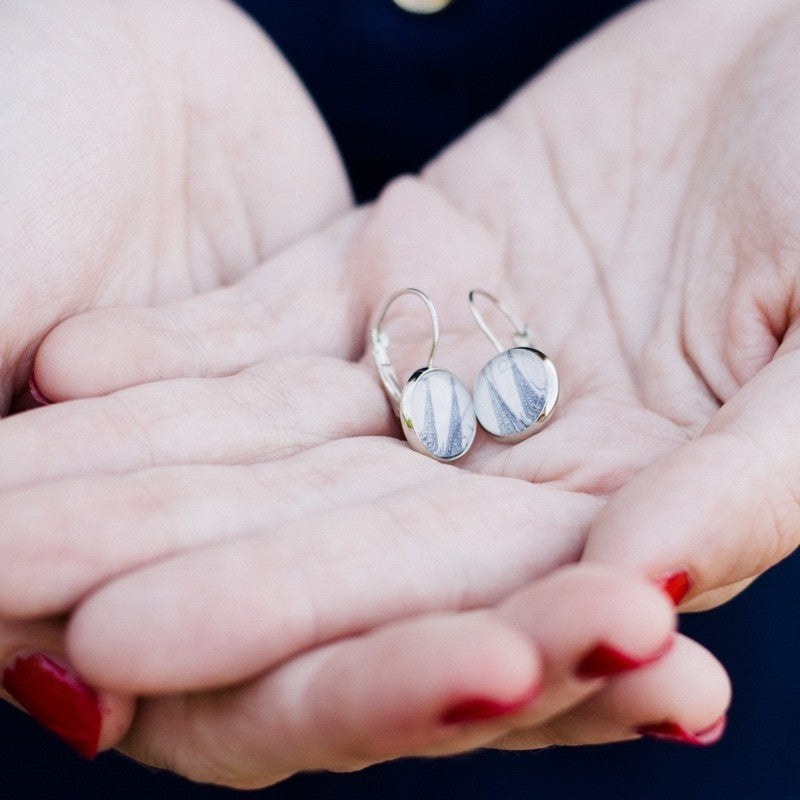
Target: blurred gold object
(422,6)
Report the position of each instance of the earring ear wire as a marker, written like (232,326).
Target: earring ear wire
(516,392)
(521,336)
(435,409)
(380,345)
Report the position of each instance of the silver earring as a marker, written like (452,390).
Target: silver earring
(516,392)
(435,408)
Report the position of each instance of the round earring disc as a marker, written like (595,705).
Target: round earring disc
(515,393)
(437,414)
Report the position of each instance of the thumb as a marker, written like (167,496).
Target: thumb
(287,306)
(721,509)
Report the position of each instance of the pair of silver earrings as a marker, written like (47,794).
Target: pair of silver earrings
(514,394)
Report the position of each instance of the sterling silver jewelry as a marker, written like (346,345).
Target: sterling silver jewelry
(516,392)
(435,408)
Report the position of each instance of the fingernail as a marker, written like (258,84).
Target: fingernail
(57,699)
(672,732)
(676,585)
(477,709)
(604,661)
(36,392)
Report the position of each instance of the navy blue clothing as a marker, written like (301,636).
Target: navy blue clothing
(395,88)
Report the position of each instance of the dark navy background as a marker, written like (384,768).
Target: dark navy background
(395,88)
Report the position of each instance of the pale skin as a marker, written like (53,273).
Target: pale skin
(634,204)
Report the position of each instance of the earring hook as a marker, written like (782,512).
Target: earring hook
(380,345)
(521,336)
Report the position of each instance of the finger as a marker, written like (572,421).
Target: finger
(344,706)
(269,411)
(630,619)
(720,509)
(429,685)
(681,697)
(456,542)
(276,310)
(315,297)
(37,677)
(62,538)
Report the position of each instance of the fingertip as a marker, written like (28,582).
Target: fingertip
(495,671)
(120,664)
(673,732)
(440,671)
(675,585)
(85,356)
(53,374)
(425,686)
(695,691)
(36,393)
(118,713)
(51,691)
(599,605)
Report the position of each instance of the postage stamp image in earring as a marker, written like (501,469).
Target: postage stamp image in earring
(435,409)
(516,392)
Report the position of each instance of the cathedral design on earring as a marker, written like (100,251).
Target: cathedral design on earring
(516,392)
(435,408)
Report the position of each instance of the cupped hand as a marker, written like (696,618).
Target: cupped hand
(633,204)
(149,151)
(600,201)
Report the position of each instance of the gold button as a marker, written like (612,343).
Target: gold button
(423,6)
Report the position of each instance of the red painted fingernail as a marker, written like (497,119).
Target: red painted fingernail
(672,732)
(604,661)
(57,699)
(676,585)
(477,709)
(36,392)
